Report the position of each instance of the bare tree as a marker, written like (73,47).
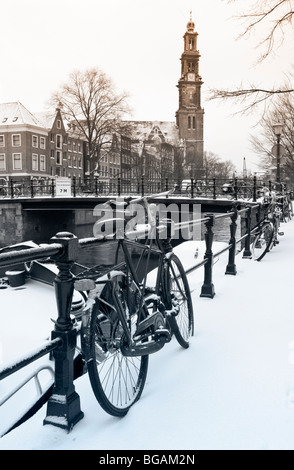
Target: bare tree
(277,15)
(214,167)
(93,109)
(264,144)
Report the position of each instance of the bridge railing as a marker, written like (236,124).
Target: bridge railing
(64,249)
(212,188)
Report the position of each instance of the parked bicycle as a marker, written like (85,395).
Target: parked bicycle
(237,191)
(129,313)
(266,234)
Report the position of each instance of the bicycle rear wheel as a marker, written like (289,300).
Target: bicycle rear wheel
(178,300)
(117,381)
(262,242)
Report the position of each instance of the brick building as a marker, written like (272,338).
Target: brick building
(39,146)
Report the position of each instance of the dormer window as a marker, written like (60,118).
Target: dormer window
(58,124)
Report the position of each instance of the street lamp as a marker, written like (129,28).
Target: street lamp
(278,129)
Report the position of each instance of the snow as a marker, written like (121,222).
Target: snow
(233,389)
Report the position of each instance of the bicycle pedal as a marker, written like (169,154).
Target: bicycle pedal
(162,334)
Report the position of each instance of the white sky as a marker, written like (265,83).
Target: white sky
(138,44)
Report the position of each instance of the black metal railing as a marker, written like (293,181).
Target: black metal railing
(212,188)
(64,249)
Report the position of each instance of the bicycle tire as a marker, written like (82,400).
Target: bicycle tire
(262,242)
(116,380)
(178,299)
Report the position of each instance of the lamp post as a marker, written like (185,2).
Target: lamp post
(278,129)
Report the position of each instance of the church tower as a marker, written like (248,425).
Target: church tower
(189,116)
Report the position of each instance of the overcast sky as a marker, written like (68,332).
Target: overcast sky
(138,43)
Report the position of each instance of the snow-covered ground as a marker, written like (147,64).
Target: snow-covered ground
(232,389)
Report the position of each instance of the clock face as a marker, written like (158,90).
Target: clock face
(191,76)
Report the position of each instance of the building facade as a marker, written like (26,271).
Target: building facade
(37,146)
(40,147)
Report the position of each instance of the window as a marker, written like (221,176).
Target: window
(74,147)
(194,122)
(79,148)
(58,158)
(17,161)
(58,141)
(58,124)
(35,161)
(42,162)
(69,162)
(74,162)
(80,163)
(51,153)
(16,140)
(42,143)
(35,141)
(189,122)
(52,137)
(2,141)
(2,161)
(69,146)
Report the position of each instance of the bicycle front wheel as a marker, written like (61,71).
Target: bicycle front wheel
(262,242)
(117,381)
(178,300)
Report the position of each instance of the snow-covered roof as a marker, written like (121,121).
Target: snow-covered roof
(46,119)
(15,113)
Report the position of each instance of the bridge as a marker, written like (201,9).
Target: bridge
(31,212)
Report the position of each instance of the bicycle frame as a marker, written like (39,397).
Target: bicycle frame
(152,245)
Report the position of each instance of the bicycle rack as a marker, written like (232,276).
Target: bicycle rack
(41,394)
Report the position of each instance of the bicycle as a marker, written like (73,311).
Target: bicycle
(243,191)
(286,208)
(266,234)
(125,319)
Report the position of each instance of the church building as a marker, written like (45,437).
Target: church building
(38,147)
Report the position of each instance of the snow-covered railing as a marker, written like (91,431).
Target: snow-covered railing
(63,249)
(209,256)
(208,188)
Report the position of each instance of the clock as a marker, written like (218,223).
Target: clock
(191,76)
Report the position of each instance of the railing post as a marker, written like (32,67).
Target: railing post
(32,188)
(236,188)
(74,186)
(192,188)
(214,188)
(52,188)
(118,186)
(247,251)
(11,188)
(231,266)
(254,188)
(207,289)
(63,407)
(96,186)
(142,186)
